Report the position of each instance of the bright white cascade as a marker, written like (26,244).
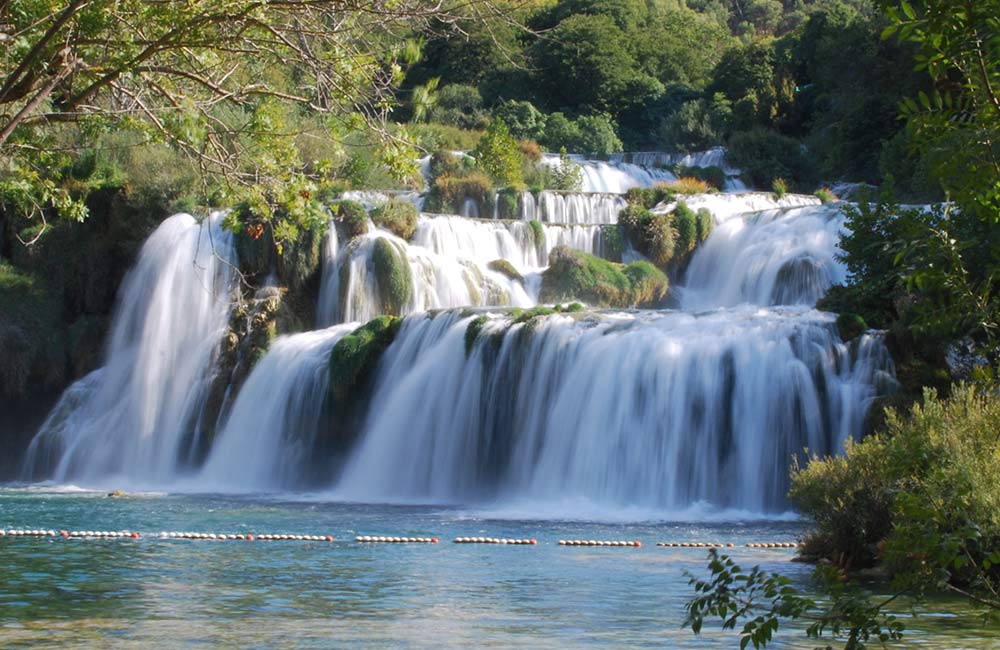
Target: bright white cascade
(775,257)
(134,420)
(438,281)
(270,435)
(572,207)
(656,410)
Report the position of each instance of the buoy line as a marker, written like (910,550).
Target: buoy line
(361,539)
(374,539)
(593,542)
(495,540)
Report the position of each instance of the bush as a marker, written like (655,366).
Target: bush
(779,187)
(765,155)
(714,176)
(598,136)
(573,275)
(524,120)
(923,497)
(686,227)
(649,197)
(508,203)
(392,272)
(850,326)
(460,106)
(651,234)
(705,224)
(499,155)
(612,244)
(398,217)
(449,192)
(689,185)
(352,218)
(826,195)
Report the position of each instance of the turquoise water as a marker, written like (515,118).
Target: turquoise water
(125,593)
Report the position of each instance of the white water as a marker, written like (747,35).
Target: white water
(574,207)
(270,435)
(645,410)
(774,257)
(612,177)
(438,281)
(133,419)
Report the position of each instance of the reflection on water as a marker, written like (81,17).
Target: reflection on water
(166,593)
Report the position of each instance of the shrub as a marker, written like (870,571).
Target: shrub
(649,197)
(525,121)
(714,176)
(612,244)
(508,202)
(449,192)
(826,195)
(923,496)
(499,155)
(398,217)
(392,272)
(573,275)
(461,106)
(689,185)
(850,326)
(351,216)
(765,155)
(779,187)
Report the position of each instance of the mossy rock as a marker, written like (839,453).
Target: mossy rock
(685,222)
(508,203)
(393,275)
(850,326)
(398,217)
(537,233)
(354,358)
(705,222)
(351,219)
(574,275)
(472,332)
(612,243)
(507,269)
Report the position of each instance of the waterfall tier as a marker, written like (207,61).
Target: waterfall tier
(137,418)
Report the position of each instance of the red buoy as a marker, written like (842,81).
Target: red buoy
(135,535)
(434,540)
(64,533)
(329,538)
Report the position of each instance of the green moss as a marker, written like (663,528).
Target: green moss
(508,203)
(354,358)
(472,332)
(573,275)
(850,326)
(392,272)
(505,268)
(398,217)
(351,218)
(537,233)
(826,195)
(612,244)
(448,193)
(705,224)
(649,197)
(686,226)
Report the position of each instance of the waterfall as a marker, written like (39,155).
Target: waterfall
(612,177)
(270,437)
(775,257)
(437,281)
(577,208)
(652,409)
(134,419)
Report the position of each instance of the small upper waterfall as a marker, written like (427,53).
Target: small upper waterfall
(573,207)
(277,418)
(775,257)
(133,419)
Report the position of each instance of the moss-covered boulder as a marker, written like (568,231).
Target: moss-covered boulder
(354,358)
(507,269)
(350,218)
(393,275)
(398,217)
(850,326)
(573,275)
(653,235)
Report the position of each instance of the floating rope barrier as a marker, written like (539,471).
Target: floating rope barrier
(592,542)
(495,540)
(363,539)
(370,539)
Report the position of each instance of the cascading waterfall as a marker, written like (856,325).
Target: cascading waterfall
(134,419)
(277,418)
(578,208)
(437,282)
(775,257)
(657,410)
(612,177)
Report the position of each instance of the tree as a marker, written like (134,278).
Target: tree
(499,155)
(220,80)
